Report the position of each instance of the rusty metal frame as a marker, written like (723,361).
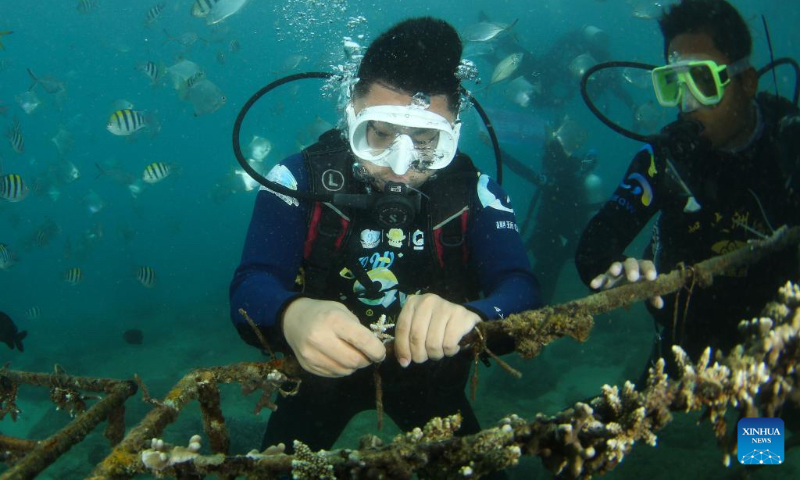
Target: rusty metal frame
(30,457)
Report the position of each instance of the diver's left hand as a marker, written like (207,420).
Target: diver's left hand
(430,327)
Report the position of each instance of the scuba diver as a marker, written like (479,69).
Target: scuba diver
(722,174)
(568,194)
(315,277)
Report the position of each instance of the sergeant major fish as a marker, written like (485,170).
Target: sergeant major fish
(155,172)
(86,6)
(73,276)
(126,122)
(15,137)
(7,258)
(12,188)
(146,276)
(154,71)
(154,12)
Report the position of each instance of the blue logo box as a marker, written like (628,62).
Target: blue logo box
(760,441)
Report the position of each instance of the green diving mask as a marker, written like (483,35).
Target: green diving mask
(704,79)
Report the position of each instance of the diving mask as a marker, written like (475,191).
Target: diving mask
(402,137)
(704,79)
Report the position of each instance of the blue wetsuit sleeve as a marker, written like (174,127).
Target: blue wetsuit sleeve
(497,255)
(264,282)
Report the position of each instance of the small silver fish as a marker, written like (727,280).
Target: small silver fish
(485,31)
(506,68)
(48,83)
(205,97)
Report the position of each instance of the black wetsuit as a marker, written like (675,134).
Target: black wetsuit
(741,196)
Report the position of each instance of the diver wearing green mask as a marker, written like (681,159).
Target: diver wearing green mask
(721,175)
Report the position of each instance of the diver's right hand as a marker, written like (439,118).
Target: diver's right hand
(633,269)
(328,340)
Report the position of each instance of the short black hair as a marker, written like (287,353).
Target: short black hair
(416,55)
(717,18)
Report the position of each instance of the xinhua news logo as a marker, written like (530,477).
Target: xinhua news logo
(760,441)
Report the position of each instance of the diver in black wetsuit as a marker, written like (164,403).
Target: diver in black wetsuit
(734,181)
(568,193)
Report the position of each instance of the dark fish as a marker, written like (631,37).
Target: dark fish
(133,336)
(9,334)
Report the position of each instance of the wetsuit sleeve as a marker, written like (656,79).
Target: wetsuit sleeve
(498,256)
(264,282)
(621,218)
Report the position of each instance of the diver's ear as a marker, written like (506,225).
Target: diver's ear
(749,79)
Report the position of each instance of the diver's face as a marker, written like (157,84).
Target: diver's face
(383,94)
(730,123)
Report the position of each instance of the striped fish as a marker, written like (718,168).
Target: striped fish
(191,81)
(146,276)
(33,313)
(86,6)
(15,137)
(155,172)
(126,122)
(154,71)
(73,276)
(154,13)
(7,258)
(12,188)
(201,8)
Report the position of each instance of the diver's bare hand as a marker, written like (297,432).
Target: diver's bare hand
(430,327)
(630,271)
(328,340)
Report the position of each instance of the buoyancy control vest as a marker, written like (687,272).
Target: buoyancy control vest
(347,257)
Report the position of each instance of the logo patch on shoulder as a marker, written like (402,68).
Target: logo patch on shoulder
(282,176)
(489,199)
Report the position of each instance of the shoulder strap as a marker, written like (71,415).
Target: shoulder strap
(450,200)
(329,165)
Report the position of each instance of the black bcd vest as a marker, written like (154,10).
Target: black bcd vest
(443,217)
